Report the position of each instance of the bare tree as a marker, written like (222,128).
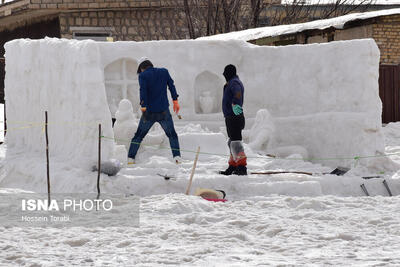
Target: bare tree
(189,19)
(256,6)
(230,10)
(209,17)
(343,7)
(297,11)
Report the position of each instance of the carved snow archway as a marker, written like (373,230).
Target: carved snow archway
(121,81)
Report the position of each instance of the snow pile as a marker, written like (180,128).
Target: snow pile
(392,134)
(192,136)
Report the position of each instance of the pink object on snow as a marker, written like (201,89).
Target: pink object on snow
(215,199)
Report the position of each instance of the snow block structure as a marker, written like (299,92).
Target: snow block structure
(65,79)
(323,97)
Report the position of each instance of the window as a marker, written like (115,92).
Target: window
(93,33)
(331,37)
(121,82)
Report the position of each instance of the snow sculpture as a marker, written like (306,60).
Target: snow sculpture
(206,102)
(262,130)
(208,92)
(125,125)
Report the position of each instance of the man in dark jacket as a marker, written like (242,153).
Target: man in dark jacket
(155,107)
(232,107)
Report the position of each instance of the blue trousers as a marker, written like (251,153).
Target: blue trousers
(146,122)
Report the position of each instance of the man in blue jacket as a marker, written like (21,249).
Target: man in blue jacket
(155,107)
(232,107)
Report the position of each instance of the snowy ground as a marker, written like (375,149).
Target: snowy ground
(284,219)
(187,231)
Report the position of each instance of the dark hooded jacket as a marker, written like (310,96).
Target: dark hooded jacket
(233,91)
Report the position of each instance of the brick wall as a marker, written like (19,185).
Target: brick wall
(386,33)
(135,24)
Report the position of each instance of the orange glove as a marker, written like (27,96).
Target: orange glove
(143,109)
(176,106)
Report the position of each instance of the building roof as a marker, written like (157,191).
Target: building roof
(271,31)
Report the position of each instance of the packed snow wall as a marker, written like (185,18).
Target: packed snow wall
(323,97)
(64,78)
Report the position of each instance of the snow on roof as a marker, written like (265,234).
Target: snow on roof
(270,31)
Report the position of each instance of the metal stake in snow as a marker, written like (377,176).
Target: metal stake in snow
(364,189)
(47,159)
(387,188)
(99,164)
(194,167)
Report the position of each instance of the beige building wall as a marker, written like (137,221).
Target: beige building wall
(317,39)
(384,30)
(361,32)
(71,4)
(127,25)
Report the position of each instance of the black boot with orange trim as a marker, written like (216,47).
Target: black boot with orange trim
(241,164)
(232,167)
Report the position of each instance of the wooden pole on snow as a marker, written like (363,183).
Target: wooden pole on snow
(47,158)
(192,173)
(99,164)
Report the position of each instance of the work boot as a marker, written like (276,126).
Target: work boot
(228,171)
(240,170)
(131,162)
(178,160)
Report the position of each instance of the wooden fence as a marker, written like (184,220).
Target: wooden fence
(389,92)
(2,76)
